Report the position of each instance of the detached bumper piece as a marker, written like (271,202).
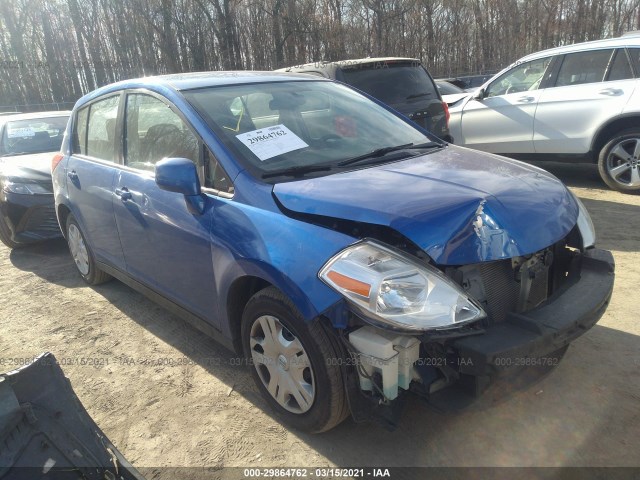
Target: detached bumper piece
(45,432)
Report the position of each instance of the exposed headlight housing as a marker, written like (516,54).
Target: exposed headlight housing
(24,188)
(585,225)
(393,290)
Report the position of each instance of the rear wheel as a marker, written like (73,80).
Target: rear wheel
(293,363)
(619,161)
(82,255)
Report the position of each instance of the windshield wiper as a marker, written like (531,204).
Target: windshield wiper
(380,152)
(416,95)
(297,171)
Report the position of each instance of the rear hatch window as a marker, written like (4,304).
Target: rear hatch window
(391,82)
(403,85)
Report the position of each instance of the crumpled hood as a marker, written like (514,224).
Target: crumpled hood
(459,205)
(35,167)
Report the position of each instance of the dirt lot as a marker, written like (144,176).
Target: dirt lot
(167,396)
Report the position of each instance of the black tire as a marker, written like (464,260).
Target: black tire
(329,406)
(628,178)
(85,264)
(5,235)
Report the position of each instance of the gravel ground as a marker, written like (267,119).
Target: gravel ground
(168,396)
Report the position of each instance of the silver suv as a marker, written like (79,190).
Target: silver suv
(575,103)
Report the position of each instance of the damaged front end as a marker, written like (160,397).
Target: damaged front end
(511,321)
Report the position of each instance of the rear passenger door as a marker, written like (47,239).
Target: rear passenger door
(90,175)
(589,88)
(165,246)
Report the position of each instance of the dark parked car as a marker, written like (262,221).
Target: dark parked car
(27,143)
(402,83)
(349,255)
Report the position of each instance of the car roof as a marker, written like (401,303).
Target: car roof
(34,115)
(29,116)
(631,39)
(333,65)
(195,80)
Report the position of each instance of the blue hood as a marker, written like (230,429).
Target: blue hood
(460,206)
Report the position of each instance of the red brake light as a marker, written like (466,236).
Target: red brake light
(57,158)
(446,112)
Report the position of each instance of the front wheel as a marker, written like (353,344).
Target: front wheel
(82,255)
(5,235)
(619,162)
(293,363)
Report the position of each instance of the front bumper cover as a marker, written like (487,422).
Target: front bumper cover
(29,218)
(531,335)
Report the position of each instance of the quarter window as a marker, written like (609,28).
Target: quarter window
(524,77)
(634,54)
(154,132)
(101,129)
(620,68)
(583,67)
(80,134)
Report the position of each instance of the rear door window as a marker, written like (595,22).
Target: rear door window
(583,67)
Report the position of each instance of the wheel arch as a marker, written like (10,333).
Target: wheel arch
(254,277)
(606,131)
(63,213)
(240,291)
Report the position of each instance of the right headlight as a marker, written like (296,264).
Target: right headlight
(392,290)
(585,225)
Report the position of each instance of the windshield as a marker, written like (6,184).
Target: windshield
(300,125)
(391,82)
(34,135)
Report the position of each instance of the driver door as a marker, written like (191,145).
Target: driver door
(166,247)
(502,120)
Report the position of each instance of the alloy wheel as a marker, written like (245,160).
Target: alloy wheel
(623,162)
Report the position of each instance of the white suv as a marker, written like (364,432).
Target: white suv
(575,103)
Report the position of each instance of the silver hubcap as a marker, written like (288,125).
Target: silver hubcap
(623,162)
(78,249)
(282,364)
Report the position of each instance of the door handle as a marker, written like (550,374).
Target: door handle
(611,92)
(124,194)
(72,175)
(526,99)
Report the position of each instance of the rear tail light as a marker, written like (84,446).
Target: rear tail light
(446,112)
(57,158)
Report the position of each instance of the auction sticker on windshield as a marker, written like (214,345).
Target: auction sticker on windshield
(20,132)
(271,141)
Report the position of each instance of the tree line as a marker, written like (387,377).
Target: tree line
(57,50)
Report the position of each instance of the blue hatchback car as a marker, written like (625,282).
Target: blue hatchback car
(351,257)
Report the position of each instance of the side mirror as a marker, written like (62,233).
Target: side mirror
(179,175)
(479,95)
